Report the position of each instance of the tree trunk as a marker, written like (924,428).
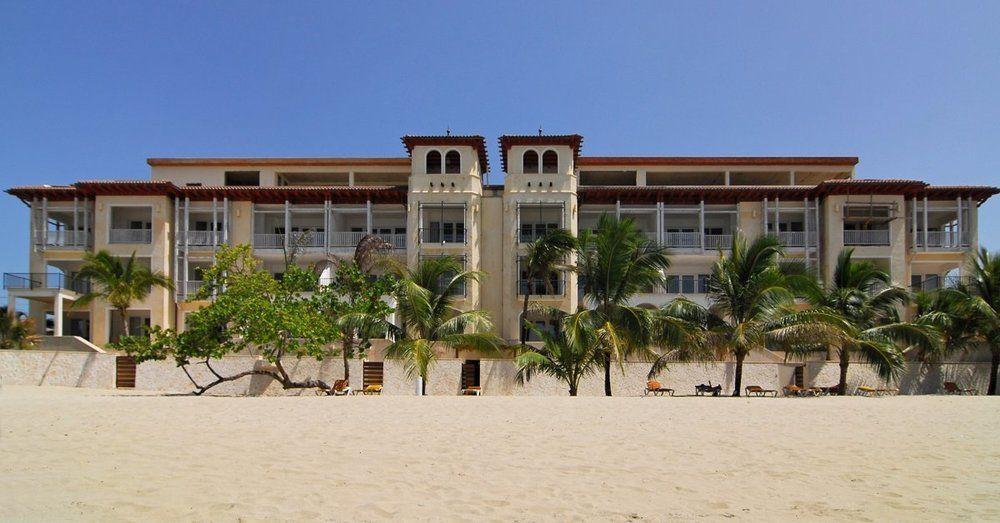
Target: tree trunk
(123,313)
(345,351)
(572,389)
(739,374)
(524,317)
(423,385)
(607,373)
(994,366)
(845,361)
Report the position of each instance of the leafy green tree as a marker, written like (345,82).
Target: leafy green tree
(353,302)
(565,354)
(614,264)
(251,312)
(953,313)
(119,283)
(545,255)
(430,320)
(858,313)
(16,331)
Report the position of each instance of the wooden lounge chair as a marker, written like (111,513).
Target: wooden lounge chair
(701,390)
(374,389)
(657,389)
(950,387)
(888,391)
(472,391)
(867,391)
(756,390)
(341,388)
(793,390)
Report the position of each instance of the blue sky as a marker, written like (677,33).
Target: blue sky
(89,90)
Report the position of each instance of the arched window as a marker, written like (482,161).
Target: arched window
(452,163)
(433,162)
(530,162)
(550,162)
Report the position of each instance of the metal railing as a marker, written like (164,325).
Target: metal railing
(541,287)
(943,240)
(346,238)
(439,236)
(683,240)
(796,238)
(189,288)
(131,236)
(201,238)
(45,280)
(870,237)
(269,241)
(933,283)
(397,240)
(719,241)
(307,239)
(529,236)
(71,239)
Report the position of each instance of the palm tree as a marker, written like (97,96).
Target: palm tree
(120,283)
(544,256)
(750,292)
(953,313)
(984,290)
(614,264)
(565,354)
(857,313)
(426,297)
(681,331)
(16,331)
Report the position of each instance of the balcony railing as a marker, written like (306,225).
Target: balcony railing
(933,283)
(871,237)
(43,280)
(190,288)
(682,240)
(541,287)
(68,239)
(943,240)
(719,242)
(797,238)
(268,241)
(431,236)
(346,238)
(398,241)
(131,236)
(201,238)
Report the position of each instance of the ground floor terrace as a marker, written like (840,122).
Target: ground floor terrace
(71,454)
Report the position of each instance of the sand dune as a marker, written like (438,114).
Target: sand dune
(107,455)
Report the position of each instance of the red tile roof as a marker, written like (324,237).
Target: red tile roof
(477,142)
(573,141)
(594,161)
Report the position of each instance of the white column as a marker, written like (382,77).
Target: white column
(517,223)
(177,243)
(86,222)
(701,224)
(791,178)
(45,222)
(926,234)
(958,221)
(913,225)
(327,226)
(659,223)
(805,226)
(187,227)
(288,223)
(57,315)
(215,227)
(618,209)
(765,216)
(420,223)
(225,220)
(350,179)
(368,216)
(76,207)
(818,228)
(727,178)
(777,218)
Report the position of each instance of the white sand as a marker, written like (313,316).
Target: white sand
(105,455)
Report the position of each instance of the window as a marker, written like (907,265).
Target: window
(530,162)
(433,162)
(687,284)
(243,178)
(447,232)
(550,162)
(452,162)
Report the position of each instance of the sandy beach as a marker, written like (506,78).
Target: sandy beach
(111,455)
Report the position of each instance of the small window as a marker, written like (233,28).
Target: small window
(550,162)
(243,178)
(452,163)
(530,162)
(433,162)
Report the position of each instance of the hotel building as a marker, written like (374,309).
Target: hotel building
(433,201)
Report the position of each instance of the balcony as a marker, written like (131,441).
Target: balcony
(798,239)
(45,281)
(719,242)
(540,287)
(131,236)
(942,240)
(188,289)
(682,240)
(201,238)
(398,241)
(872,237)
(67,239)
(443,236)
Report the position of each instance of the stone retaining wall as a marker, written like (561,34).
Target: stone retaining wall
(497,377)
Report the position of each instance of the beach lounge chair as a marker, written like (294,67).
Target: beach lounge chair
(373,389)
(472,391)
(701,390)
(950,387)
(793,390)
(888,392)
(866,391)
(657,389)
(341,388)
(756,390)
